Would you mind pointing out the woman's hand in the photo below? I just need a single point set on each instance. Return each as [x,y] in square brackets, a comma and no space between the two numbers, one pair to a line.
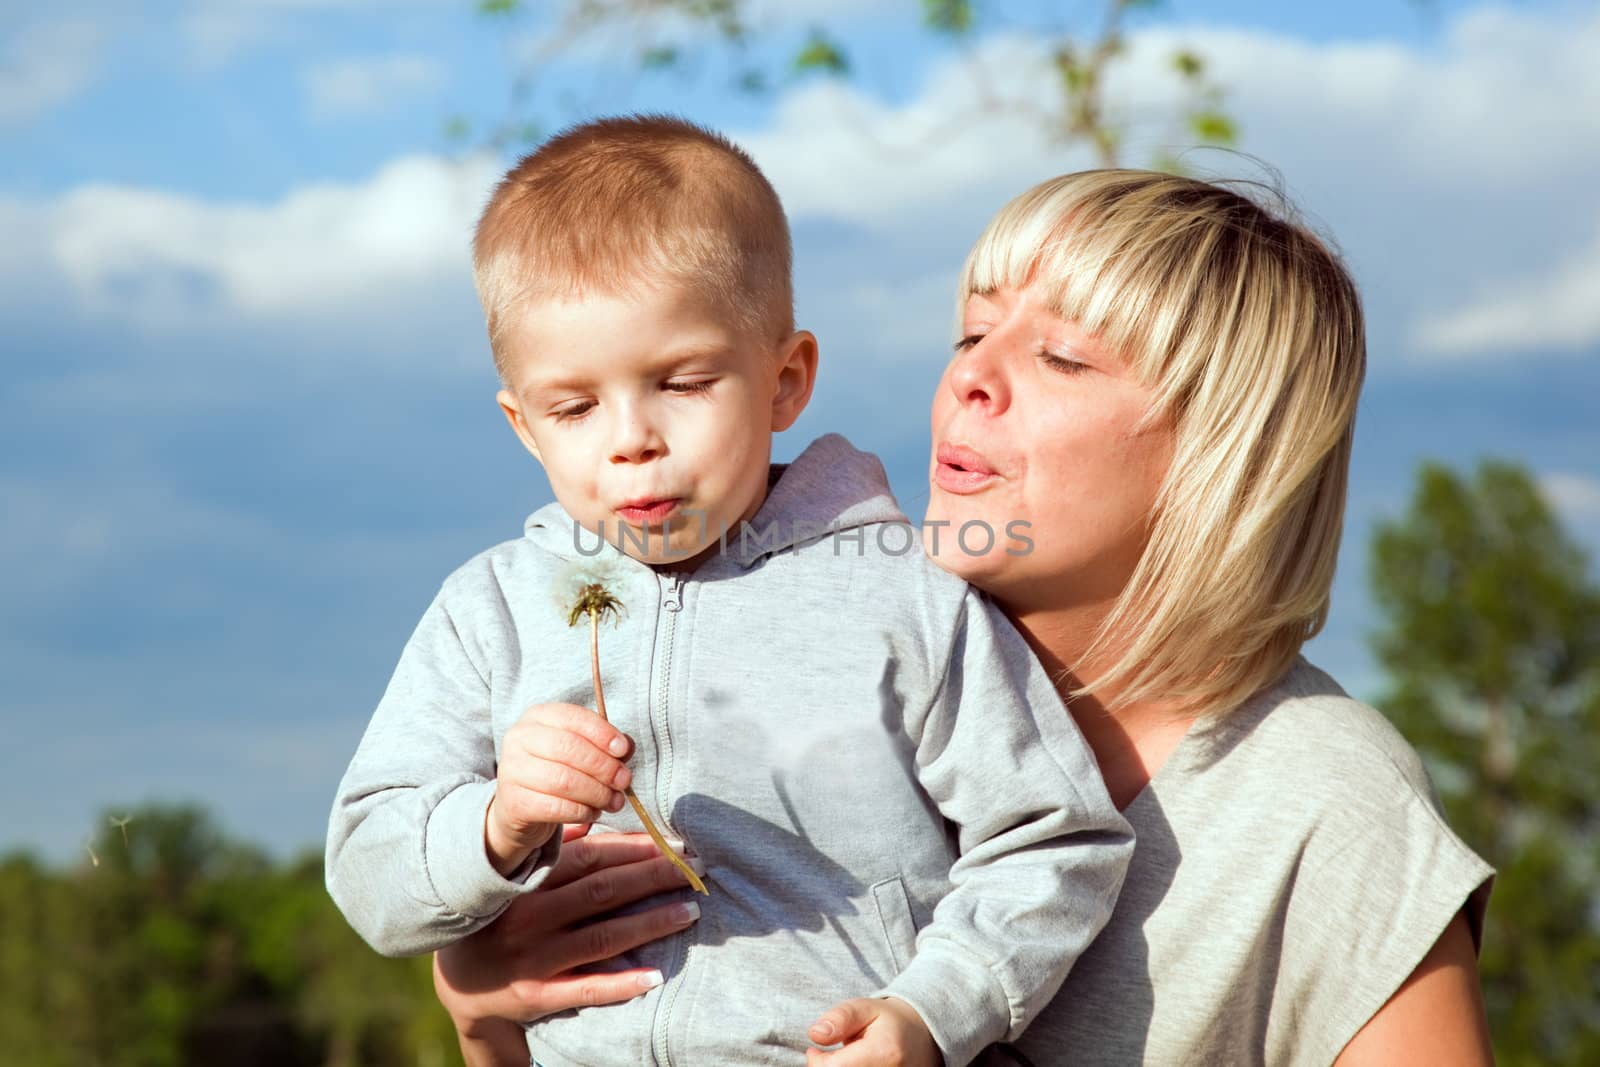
[520,967]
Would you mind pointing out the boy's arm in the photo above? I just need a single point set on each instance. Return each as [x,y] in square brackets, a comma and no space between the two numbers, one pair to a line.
[1043,850]
[406,861]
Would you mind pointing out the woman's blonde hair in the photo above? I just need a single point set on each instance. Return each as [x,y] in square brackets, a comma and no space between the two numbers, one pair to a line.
[1248,329]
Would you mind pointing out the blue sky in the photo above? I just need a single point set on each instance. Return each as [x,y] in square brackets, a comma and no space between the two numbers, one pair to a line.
[250,409]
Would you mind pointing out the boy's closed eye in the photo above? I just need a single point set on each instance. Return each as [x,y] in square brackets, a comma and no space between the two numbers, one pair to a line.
[576,411]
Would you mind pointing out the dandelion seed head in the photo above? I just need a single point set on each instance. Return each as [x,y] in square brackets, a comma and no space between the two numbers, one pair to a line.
[589,585]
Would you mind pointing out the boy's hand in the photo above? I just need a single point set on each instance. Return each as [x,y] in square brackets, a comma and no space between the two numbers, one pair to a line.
[559,764]
[875,1030]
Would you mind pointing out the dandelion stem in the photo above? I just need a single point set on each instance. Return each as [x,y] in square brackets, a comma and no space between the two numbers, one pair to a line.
[633,798]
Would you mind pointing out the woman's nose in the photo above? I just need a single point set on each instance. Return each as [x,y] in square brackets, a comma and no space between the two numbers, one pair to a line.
[977,379]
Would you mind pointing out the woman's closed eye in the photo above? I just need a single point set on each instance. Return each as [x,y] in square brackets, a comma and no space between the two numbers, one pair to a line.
[1060,363]
[966,342]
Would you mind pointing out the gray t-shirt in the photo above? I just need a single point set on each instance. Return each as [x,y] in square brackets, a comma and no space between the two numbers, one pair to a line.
[1291,869]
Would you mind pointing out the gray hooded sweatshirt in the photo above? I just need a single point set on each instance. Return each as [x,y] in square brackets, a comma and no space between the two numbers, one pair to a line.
[885,789]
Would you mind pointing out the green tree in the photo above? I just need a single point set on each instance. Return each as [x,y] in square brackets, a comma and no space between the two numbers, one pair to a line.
[170,944]
[1491,641]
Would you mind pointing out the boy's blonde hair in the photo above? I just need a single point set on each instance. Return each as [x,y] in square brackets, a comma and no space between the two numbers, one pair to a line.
[620,203]
[1249,331]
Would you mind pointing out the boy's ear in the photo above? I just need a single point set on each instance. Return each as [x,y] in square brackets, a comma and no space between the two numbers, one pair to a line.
[797,373]
[519,425]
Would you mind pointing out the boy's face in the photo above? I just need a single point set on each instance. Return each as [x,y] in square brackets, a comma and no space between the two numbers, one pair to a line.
[654,411]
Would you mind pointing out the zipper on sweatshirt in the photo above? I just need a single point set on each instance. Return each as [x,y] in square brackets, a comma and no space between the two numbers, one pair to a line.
[671,584]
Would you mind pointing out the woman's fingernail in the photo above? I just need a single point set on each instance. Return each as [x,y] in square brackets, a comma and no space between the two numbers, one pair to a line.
[651,979]
[687,912]
[823,1032]
[696,864]
[678,846]
[618,746]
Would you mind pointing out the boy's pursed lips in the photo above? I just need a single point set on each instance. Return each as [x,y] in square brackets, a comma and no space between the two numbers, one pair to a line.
[642,511]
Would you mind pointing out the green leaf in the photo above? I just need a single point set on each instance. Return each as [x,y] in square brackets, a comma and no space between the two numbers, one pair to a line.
[457,128]
[1188,64]
[947,16]
[821,53]
[499,7]
[658,57]
[1213,127]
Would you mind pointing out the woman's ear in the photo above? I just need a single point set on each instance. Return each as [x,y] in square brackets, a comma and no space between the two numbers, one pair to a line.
[519,425]
[797,373]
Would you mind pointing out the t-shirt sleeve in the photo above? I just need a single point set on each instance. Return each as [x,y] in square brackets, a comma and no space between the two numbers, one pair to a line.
[1363,916]
[405,860]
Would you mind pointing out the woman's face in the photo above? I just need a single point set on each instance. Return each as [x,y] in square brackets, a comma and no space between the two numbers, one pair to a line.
[1037,435]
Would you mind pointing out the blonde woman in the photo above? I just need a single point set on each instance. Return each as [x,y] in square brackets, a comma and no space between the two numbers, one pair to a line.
[1160,377]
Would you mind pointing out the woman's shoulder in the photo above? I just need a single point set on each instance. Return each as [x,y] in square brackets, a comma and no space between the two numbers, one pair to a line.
[1305,777]
[1306,731]
[1292,854]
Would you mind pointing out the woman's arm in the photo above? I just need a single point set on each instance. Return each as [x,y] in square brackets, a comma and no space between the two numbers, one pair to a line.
[1436,1016]
[521,967]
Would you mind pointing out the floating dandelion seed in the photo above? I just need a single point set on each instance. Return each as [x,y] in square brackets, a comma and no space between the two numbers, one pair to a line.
[122,824]
[583,592]
[92,857]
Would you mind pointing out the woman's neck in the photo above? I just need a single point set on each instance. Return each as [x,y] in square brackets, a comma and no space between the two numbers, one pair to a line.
[1130,743]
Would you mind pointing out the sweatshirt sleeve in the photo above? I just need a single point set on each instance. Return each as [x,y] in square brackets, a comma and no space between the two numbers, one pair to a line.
[406,862]
[1043,850]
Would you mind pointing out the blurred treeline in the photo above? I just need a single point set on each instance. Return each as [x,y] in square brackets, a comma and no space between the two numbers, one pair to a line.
[175,945]
[170,944]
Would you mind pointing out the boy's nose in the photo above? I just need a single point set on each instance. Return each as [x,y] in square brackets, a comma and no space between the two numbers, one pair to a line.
[636,441]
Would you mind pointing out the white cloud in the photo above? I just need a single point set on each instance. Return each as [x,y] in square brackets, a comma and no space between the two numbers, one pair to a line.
[367,85]
[217,31]
[1402,152]
[159,258]
[1558,309]
[47,64]
[1575,496]
[835,153]
[1441,170]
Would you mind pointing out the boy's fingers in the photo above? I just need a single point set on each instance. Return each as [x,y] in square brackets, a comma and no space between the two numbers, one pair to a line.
[557,745]
[582,721]
[559,785]
[524,807]
[843,1021]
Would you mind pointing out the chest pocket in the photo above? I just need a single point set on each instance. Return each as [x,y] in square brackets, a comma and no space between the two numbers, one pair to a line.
[894,916]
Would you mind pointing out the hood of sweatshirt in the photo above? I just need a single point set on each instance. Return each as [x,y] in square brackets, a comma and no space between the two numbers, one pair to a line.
[830,486]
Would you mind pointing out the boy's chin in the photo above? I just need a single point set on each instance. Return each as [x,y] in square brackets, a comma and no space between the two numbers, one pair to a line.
[672,555]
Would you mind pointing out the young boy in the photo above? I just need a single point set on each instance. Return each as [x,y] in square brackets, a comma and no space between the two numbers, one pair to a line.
[885,794]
